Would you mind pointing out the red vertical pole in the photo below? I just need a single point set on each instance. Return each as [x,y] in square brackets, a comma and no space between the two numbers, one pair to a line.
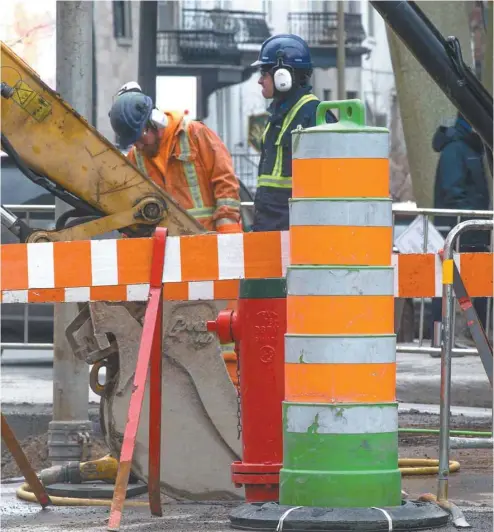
[155,382]
[151,323]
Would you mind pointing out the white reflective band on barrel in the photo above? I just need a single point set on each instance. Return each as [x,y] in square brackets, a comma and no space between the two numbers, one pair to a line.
[331,281]
[342,418]
[340,145]
[370,213]
[301,349]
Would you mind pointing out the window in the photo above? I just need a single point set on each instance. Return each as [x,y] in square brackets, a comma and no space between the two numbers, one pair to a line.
[370,21]
[351,95]
[122,22]
[326,95]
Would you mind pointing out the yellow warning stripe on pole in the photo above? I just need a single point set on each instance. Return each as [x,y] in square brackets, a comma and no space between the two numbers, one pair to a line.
[448,268]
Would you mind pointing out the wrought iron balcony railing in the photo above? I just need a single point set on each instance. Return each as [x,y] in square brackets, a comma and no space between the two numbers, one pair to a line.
[212,35]
[320,29]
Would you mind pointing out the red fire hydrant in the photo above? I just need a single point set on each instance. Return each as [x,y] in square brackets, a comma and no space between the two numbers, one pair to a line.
[258,330]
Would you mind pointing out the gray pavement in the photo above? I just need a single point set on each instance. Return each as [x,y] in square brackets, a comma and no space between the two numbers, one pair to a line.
[26,517]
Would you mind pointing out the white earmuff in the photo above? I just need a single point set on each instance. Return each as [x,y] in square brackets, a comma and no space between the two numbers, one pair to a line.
[283,80]
[158,119]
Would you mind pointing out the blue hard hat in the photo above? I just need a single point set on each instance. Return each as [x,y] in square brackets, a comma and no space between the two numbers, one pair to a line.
[292,49]
[129,115]
[462,123]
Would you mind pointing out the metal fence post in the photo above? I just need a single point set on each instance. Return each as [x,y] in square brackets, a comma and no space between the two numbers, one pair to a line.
[448,310]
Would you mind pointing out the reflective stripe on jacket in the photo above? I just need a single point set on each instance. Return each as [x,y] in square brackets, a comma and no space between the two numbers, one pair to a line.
[194,167]
[274,171]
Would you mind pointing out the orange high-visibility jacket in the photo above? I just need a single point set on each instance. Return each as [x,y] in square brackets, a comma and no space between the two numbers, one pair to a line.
[194,167]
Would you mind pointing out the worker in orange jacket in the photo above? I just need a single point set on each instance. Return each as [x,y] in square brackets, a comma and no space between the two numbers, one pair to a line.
[184,157]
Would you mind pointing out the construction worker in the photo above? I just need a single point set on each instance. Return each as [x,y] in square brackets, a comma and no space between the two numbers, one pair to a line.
[184,157]
[286,68]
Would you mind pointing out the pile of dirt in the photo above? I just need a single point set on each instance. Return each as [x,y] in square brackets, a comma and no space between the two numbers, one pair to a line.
[36,450]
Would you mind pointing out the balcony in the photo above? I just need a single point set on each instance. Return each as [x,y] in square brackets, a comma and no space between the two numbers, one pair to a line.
[320,30]
[215,45]
[214,36]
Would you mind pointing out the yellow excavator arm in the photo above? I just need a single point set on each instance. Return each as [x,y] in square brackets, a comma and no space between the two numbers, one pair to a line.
[55,145]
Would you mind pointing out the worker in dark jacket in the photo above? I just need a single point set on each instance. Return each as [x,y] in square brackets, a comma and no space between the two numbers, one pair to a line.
[461,183]
[286,68]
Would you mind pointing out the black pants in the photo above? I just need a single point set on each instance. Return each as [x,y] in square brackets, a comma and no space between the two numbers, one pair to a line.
[271,211]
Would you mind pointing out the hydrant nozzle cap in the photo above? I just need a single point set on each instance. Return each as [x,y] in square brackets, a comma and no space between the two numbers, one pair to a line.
[211,326]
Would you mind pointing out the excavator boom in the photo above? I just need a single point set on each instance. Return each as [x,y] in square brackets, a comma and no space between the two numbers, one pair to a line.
[60,150]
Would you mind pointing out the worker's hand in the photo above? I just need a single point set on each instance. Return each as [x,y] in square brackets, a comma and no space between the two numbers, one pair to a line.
[441,254]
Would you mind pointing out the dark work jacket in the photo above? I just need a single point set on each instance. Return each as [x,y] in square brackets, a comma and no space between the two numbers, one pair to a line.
[460,181]
[271,203]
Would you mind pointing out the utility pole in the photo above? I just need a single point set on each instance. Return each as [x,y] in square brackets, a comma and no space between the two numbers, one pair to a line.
[70,430]
[148,27]
[340,58]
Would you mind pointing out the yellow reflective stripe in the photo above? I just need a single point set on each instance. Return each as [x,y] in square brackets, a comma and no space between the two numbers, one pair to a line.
[278,165]
[266,129]
[140,162]
[225,221]
[291,115]
[202,212]
[228,202]
[189,168]
[276,182]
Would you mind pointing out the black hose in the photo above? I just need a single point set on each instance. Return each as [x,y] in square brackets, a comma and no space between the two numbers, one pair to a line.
[48,185]
[440,57]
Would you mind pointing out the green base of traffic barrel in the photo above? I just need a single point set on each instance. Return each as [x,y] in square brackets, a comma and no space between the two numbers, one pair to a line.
[341,455]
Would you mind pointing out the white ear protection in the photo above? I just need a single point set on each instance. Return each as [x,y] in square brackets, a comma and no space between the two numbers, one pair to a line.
[158,119]
[282,77]
[283,80]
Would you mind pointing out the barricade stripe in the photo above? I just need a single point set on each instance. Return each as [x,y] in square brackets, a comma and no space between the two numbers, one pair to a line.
[15,296]
[324,349]
[416,275]
[356,145]
[108,293]
[202,252]
[328,281]
[329,315]
[77,295]
[477,273]
[340,178]
[341,418]
[438,276]
[104,264]
[130,270]
[262,255]
[41,272]
[46,295]
[201,290]
[72,263]
[172,272]
[340,383]
[14,273]
[347,246]
[396,284]
[137,292]
[231,256]
[226,289]
[176,291]
[366,213]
